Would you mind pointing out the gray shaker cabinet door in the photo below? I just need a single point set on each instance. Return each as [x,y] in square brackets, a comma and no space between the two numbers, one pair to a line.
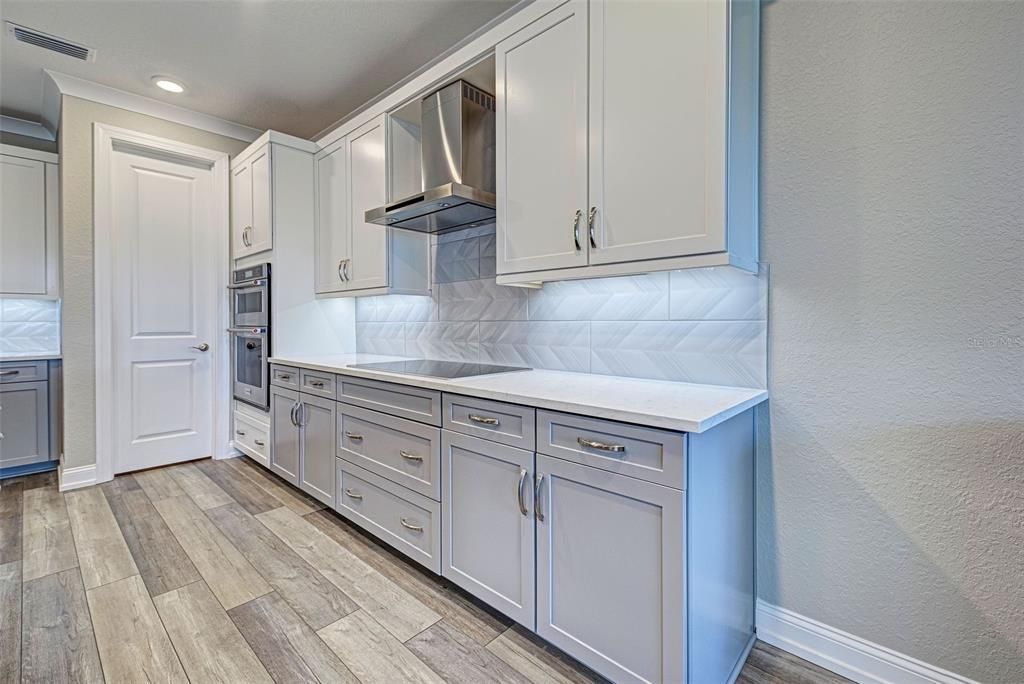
[318,466]
[488,522]
[610,571]
[24,424]
[284,457]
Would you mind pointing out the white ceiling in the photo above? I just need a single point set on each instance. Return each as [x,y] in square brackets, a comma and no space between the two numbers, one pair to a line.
[296,66]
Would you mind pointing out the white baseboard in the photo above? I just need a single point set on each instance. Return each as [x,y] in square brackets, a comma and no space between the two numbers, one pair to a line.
[843,653]
[76,478]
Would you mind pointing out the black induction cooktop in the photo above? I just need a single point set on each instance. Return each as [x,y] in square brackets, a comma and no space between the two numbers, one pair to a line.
[437,369]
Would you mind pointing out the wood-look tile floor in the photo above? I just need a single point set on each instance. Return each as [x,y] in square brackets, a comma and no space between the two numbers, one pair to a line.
[219,571]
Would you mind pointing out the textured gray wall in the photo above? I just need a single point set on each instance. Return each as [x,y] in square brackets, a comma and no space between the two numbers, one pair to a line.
[78,334]
[892,491]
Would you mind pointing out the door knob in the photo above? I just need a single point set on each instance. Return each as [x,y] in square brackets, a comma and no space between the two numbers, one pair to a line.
[201,347]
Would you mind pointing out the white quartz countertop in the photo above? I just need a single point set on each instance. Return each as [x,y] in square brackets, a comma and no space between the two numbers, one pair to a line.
[29,356]
[673,405]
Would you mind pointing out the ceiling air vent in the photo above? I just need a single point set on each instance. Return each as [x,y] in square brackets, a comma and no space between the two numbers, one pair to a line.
[24,34]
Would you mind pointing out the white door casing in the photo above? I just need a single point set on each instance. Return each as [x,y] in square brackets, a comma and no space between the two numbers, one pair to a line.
[161,269]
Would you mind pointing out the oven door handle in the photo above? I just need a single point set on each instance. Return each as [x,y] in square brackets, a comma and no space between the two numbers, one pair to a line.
[255,331]
[251,285]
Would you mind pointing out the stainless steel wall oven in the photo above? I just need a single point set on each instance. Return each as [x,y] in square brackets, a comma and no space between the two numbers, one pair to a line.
[250,335]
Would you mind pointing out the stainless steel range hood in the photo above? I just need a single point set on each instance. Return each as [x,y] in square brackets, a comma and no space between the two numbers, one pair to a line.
[457,134]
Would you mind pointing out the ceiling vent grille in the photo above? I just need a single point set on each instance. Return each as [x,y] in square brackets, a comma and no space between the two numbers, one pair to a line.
[24,34]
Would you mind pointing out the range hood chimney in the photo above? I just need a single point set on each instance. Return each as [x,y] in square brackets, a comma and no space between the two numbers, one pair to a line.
[457,159]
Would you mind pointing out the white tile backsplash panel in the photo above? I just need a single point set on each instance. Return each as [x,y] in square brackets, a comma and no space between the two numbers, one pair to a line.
[711,352]
[704,325]
[629,298]
[29,326]
[718,294]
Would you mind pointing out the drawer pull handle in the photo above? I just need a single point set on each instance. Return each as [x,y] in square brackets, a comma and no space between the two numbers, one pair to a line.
[353,436]
[9,372]
[537,509]
[259,442]
[317,383]
[239,433]
[600,446]
[519,493]
[410,457]
[408,525]
[353,495]
[484,420]
[282,376]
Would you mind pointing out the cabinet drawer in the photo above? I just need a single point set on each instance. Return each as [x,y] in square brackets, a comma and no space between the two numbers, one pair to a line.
[284,376]
[398,400]
[317,382]
[494,420]
[408,521]
[22,371]
[252,438]
[649,454]
[400,450]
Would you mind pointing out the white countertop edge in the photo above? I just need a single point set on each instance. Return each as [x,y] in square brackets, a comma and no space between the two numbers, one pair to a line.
[705,421]
[30,357]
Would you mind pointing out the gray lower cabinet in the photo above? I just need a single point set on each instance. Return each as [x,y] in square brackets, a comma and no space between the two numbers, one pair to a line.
[610,583]
[316,462]
[24,423]
[284,456]
[303,441]
[488,522]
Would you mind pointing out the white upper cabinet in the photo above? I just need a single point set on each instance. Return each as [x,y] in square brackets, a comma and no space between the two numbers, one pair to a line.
[541,143]
[356,258]
[252,223]
[642,116]
[29,245]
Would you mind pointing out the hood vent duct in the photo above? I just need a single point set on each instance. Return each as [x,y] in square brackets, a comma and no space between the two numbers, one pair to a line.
[24,34]
[458,164]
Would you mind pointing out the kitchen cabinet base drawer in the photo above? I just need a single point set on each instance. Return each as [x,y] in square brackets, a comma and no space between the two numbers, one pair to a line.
[497,421]
[23,371]
[408,521]
[403,451]
[650,454]
[317,382]
[284,376]
[404,401]
[252,438]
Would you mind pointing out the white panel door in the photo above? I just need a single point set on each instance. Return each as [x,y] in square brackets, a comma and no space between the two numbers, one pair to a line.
[332,217]
[165,298]
[610,571]
[241,209]
[657,128]
[23,258]
[542,143]
[366,177]
[486,497]
[262,236]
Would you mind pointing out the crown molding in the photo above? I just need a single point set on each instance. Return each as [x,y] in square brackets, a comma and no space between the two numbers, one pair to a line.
[63,84]
[29,129]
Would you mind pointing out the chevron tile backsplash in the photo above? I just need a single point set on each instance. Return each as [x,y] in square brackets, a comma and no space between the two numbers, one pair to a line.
[29,326]
[705,325]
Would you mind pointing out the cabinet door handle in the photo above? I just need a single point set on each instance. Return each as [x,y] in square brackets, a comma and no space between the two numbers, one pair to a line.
[484,420]
[259,442]
[590,226]
[537,509]
[353,495]
[239,433]
[246,240]
[600,446]
[345,270]
[354,436]
[519,492]
[292,414]
[410,457]
[8,373]
[301,413]
[341,276]
[408,525]
[576,229]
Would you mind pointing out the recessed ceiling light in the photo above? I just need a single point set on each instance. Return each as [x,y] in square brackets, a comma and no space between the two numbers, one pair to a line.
[168,84]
